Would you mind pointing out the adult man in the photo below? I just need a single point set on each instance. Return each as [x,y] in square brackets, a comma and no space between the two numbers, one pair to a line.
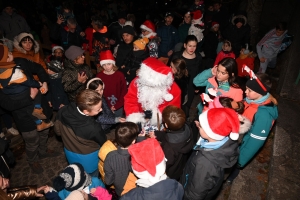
[169,38]
[68,35]
[114,30]
[11,24]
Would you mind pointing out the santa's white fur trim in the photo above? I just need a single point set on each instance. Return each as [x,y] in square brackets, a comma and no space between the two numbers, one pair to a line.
[168,97]
[150,77]
[204,124]
[102,62]
[146,28]
[136,117]
[245,124]
[147,180]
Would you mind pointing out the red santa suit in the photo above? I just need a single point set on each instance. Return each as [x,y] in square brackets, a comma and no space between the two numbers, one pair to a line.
[153,89]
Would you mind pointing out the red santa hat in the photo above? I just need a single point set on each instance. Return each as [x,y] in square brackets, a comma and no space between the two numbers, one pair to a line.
[55,46]
[148,160]
[148,26]
[213,24]
[197,14]
[219,123]
[106,57]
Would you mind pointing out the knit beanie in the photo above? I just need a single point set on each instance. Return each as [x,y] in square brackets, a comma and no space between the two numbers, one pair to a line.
[128,29]
[73,177]
[75,195]
[219,123]
[254,83]
[141,43]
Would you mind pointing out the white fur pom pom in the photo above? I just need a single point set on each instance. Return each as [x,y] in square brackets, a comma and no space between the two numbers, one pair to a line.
[168,97]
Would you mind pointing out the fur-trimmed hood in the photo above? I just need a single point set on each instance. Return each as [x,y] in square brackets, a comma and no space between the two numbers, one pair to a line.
[239,16]
[19,37]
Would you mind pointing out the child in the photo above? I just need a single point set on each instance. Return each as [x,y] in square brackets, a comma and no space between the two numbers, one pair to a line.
[56,95]
[220,80]
[246,58]
[149,165]
[115,83]
[57,53]
[225,52]
[73,177]
[198,5]
[117,163]
[16,83]
[176,141]
[106,118]
[216,150]
[133,62]
[268,47]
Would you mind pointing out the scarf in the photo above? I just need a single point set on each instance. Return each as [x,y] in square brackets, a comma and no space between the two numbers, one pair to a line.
[203,143]
[258,101]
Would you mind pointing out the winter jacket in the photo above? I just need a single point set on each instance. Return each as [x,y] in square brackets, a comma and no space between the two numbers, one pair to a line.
[22,116]
[60,32]
[183,30]
[56,93]
[124,51]
[269,45]
[82,136]
[114,32]
[106,117]
[262,122]
[224,54]
[169,38]
[70,78]
[12,25]
[176,146]
[34,55]
[100,43]
[107,147]
[117,166]
[203,174]
[237,36]
[132,63]
[168,189]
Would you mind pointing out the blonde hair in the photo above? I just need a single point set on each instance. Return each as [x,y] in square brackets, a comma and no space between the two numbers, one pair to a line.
[101,69]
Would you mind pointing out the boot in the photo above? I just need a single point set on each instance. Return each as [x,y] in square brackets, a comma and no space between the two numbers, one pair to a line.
[38,113]
[42,126]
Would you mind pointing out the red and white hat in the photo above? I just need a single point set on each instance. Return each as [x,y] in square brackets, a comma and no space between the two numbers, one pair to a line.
[55,46]
[197,14]
[219,123]
[148,26]
[106,57]
[148,160]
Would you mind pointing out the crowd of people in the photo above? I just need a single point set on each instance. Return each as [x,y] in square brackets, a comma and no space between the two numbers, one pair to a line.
[124,116]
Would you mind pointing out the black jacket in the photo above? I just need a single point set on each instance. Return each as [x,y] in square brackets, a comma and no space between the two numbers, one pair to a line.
[124,50]
[168,189]
[210,44]
[204,172]
[177,146]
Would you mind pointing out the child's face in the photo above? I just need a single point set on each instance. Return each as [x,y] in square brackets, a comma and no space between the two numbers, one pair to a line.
[239,24]
[279,32]
[10,57]
[201,131]
[135,48]
[58,53]
[100,90]
[190,47]
[222,74]
[250,94]
[108,67]
[226,47]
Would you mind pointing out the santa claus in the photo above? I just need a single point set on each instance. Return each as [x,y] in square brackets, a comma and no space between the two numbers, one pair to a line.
[150,92]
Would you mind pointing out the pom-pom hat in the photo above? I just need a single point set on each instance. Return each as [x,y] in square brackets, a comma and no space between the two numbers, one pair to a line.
[219,123]
[106,57]
[148,26]
[73,177]
[141,43]
[54,47]
[147,159]
[197,14]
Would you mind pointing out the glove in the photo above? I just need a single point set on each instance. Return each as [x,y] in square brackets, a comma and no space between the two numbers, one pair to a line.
[148,114]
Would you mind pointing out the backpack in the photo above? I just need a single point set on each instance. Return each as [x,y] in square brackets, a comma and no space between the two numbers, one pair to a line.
[286,42]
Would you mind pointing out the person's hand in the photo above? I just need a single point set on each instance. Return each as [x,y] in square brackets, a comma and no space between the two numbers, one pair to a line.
[41,189]
[50,104]
[170,53]
[123,66]
[152,134]
[93,190]
[196,91]
[128,72]
[46,189]
[85,195]
[44,88]
[33,92]
[197,124]
[50,71]
[82,34]
[262,59]
[214,70]
[82,77]
[113,109]
[61,105]
[60,19]
[112,42]
[122,120]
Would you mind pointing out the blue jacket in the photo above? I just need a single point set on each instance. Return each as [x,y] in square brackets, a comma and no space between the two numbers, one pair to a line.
[169,38]
[168,189]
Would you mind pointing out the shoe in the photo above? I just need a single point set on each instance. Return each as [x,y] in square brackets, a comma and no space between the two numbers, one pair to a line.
[2,135]
[49,153]
[13,131]
[38,113]
[36,168]
[42,126]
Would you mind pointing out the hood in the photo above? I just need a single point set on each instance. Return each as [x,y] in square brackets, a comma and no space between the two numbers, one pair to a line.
[20,49]
[271,108]
[239,16]
[72,118]
[182,140]
[226,156]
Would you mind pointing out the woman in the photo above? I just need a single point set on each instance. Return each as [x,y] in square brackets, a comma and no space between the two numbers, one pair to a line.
[82,136]
[75,72]
[194,66]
